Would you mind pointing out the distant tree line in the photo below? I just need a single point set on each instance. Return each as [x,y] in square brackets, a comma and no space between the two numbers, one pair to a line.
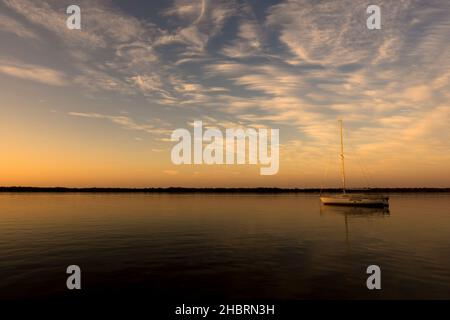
[216,190]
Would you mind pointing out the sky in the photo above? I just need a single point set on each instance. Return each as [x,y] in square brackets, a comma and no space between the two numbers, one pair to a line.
[97,106]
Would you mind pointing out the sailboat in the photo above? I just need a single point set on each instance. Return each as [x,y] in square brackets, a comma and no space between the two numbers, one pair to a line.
[352,199]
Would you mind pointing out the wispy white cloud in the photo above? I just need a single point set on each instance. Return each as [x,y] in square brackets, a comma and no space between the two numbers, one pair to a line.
[249,39]
[101,26]
[154,126]
[202,20]
[31,72]
[8,24]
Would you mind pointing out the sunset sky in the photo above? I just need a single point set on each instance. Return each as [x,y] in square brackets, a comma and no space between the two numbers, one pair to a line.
[96,106]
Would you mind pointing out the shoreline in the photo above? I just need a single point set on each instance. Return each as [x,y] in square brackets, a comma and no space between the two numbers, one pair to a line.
[219,190]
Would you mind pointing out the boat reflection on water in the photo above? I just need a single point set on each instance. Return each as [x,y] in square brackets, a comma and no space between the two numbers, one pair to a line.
[354,212]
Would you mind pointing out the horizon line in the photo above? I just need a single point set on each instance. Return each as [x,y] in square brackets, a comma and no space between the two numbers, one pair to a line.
[215,189]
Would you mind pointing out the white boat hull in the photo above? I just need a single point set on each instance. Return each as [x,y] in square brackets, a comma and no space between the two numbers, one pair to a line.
[355,200]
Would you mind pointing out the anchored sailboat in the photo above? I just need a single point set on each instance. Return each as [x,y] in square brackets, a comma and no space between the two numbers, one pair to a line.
[352,199]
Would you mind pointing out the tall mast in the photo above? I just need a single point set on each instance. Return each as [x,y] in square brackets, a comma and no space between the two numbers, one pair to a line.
[342,156]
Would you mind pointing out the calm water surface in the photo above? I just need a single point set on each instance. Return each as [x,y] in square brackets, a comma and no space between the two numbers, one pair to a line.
[198,246]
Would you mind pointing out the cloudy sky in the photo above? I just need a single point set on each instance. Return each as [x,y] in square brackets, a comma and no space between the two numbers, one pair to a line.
[96,106]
